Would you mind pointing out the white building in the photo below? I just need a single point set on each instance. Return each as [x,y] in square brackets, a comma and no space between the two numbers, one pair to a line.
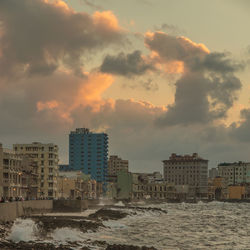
[189,170]
[235,173]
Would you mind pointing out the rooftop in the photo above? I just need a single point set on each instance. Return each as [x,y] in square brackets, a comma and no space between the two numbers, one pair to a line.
[193,157]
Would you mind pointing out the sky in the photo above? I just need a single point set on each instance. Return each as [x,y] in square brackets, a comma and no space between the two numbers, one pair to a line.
[159,76]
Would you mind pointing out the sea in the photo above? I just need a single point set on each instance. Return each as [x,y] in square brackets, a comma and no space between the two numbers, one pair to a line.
[213,225]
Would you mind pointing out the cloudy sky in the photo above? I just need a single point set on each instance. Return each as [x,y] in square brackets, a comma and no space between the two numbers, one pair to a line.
[159,76]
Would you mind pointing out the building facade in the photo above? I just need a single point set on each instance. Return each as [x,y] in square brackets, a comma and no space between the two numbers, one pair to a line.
[46,158]
[213,172]
[88,152]
[235,173]
[19,175]
[75,185]
[189,170]
[116,165]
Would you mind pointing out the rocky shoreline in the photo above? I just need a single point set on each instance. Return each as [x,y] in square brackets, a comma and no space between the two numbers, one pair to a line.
[46,224]
[8,245]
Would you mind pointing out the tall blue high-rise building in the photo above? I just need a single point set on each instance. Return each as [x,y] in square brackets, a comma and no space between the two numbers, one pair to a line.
[88,152]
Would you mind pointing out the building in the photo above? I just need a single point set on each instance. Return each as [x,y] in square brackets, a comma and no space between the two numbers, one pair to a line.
[136,186]
[155,177]
[189,170]
[213,172]
[115,165]
[235,173]
[88,152]
[217,188]
[19,176]
[75,184]
[46,158]
[64,167]
[237,192]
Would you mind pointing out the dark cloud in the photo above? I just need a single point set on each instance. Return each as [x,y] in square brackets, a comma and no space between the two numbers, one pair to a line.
[191,103]
[241,131]
[126,64]
[207,88]
[37,36]
[172,48]
[218,62]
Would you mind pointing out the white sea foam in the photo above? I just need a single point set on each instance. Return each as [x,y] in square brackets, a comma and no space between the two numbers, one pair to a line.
[23,230]
[62,235]
[119,204]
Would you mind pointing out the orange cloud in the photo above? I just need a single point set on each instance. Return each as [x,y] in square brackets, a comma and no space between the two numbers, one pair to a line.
[91,91]
[46,105]
[171,54]
[106,19]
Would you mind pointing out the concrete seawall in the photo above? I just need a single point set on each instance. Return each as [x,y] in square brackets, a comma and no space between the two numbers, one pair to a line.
[12,210]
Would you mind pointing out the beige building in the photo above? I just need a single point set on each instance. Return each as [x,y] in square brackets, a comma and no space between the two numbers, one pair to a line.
[19,176]
[235,173]
[189,170]
[116,165]
[46,157]
[75,184]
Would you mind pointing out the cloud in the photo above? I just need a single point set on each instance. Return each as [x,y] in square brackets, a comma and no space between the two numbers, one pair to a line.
[170,29]
[241,131]
[172,48]
[150,85]
[207,87]
[126,64]
[218,62]
[37,37]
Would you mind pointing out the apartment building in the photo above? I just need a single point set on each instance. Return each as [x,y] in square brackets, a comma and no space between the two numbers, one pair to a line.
[235,173]
[189,170]
[46,158]
[88,152]
[19,175]
[115,165]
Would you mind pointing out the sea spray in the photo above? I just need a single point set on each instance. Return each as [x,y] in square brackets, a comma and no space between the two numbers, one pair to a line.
[23,230]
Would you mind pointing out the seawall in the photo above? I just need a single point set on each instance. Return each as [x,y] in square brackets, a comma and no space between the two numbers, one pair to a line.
[12,210]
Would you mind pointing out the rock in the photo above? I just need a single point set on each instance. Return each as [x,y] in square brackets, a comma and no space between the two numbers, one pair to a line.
[108,214]
[49,223]
[31,246]
[128,247]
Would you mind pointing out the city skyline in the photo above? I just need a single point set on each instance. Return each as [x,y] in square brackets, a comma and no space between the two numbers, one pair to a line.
[159,77]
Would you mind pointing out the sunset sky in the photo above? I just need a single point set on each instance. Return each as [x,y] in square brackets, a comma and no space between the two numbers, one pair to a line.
[159,76]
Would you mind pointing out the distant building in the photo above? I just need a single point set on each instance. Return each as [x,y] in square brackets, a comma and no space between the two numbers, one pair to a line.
[19,176]
[75,184]
[235,173]
[155,177]
[46,157]
[136,186]
[189,170]
[64,167]
[213,172]
[88,152]
[115,165]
